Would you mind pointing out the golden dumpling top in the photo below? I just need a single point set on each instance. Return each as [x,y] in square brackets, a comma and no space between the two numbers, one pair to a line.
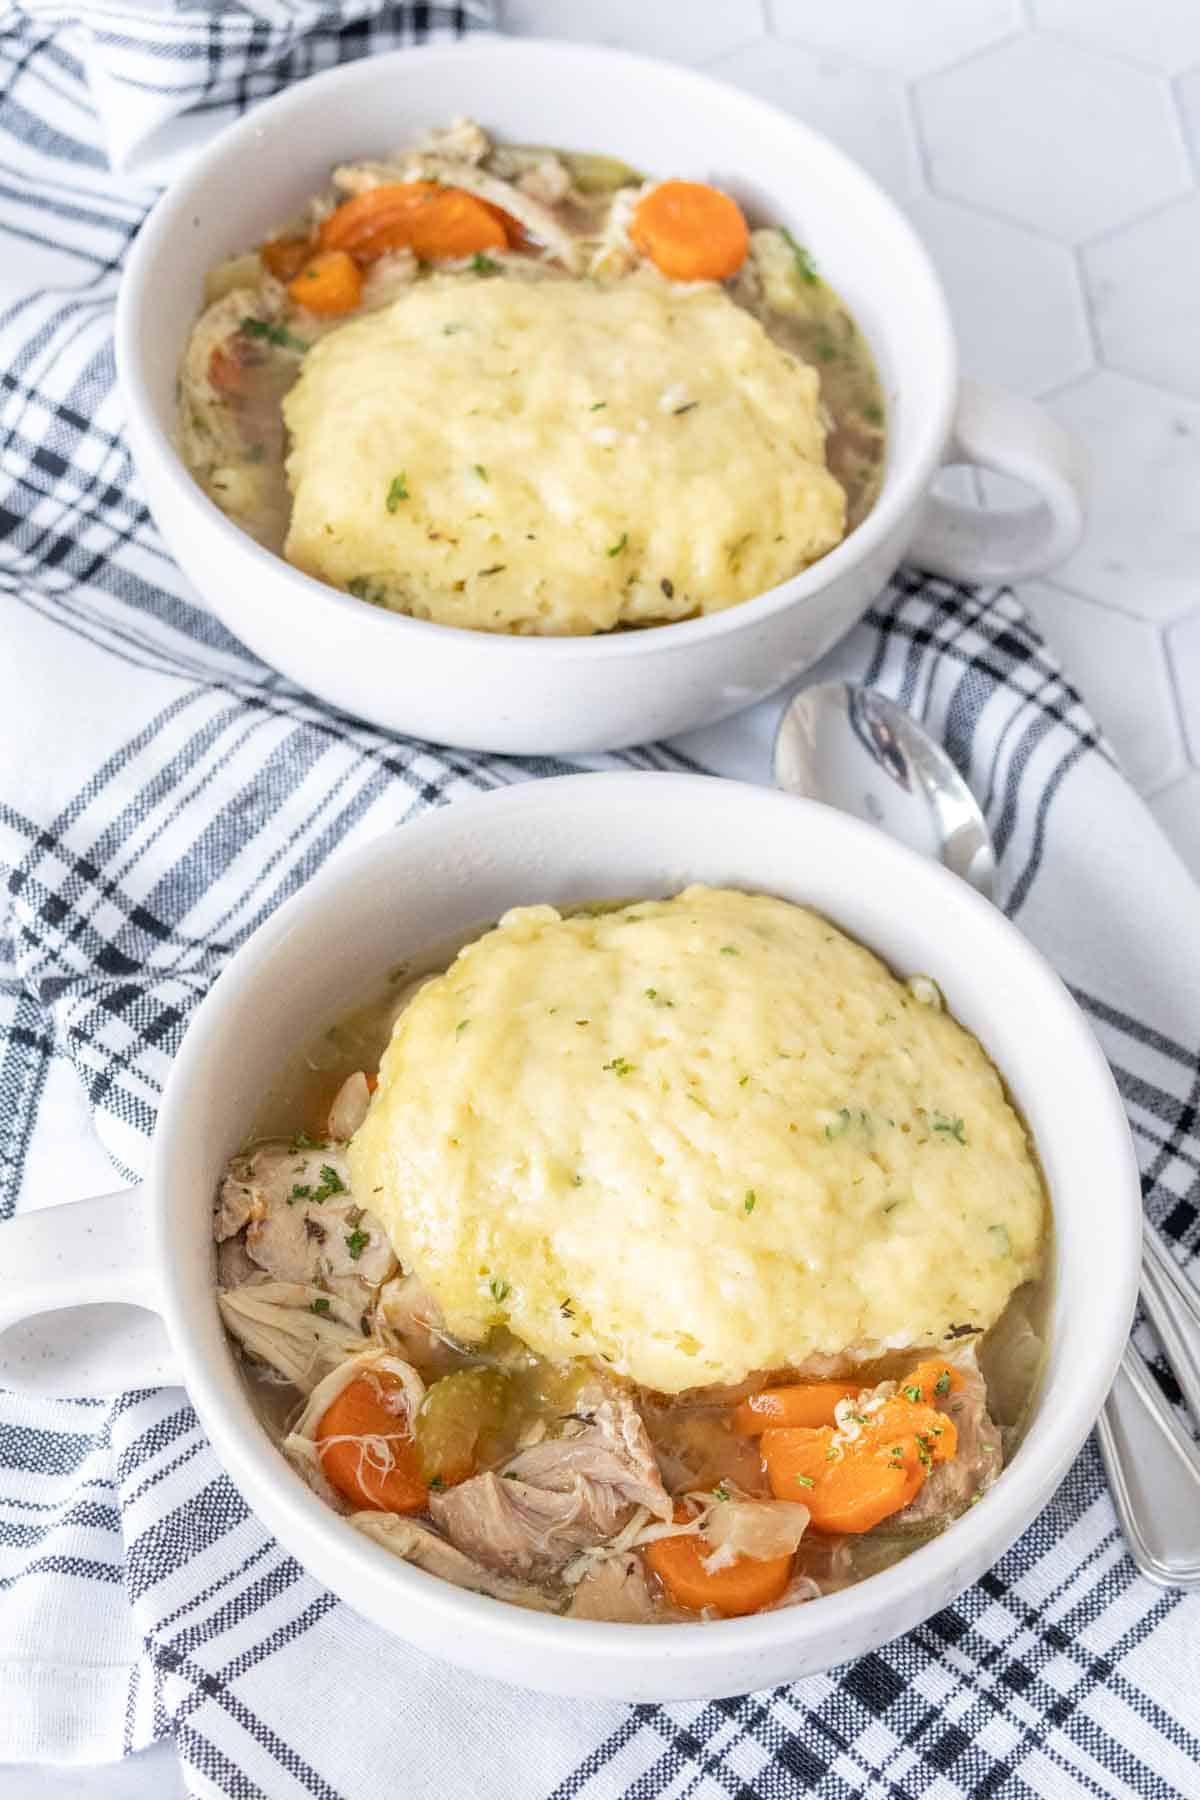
[552,456]
[696,1137]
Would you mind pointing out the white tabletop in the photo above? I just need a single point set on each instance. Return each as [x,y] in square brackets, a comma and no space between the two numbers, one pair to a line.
[1049,153]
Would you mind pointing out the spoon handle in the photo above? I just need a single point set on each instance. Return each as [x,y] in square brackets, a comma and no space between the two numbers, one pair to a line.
[1153,1475]
[1172,1306]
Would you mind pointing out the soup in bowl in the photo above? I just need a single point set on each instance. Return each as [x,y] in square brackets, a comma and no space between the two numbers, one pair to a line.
[611,628]
[552,1406]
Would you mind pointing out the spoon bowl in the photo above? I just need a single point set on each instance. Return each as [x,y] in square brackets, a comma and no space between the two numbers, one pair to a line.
[857,750]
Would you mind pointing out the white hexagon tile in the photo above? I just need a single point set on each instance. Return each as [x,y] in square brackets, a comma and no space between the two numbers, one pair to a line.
[1048,151]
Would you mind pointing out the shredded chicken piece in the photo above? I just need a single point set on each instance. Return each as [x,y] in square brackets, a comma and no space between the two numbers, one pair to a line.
[462,140]
[518,1529]
[612,1449]
[615,1589]
[410,1310]
[300,1222]
[424,1548]
[295,1329]
[387,278]
[548,182]
[559,1496]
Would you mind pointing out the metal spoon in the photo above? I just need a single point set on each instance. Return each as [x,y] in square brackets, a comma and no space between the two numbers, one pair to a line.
[857,750]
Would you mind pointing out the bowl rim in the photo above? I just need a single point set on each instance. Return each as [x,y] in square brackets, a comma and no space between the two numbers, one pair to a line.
[974,1542]
[901,495]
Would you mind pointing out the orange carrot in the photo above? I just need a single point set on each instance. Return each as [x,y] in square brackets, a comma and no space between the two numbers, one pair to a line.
[357,222]
[934,1379]
[851,1484]
[746,1586]
[285,257]
[422,216]
[388,1482]
[330,284]
[372,1083]
[844,1493]
[691,232]
[808,1403]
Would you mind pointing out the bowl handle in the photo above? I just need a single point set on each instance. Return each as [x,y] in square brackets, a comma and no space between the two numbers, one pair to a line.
[81,1300]
[1010,436]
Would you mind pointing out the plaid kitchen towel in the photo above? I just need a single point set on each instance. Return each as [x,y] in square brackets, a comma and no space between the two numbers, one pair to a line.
[147,762]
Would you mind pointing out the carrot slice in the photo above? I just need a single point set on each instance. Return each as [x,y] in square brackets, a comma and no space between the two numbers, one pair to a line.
[844,1493]
[691,232]
[808,1403]
[422,216]
[456,224]
[384,1476]
[746,1586]
[285,257]
[330,284]
[356,222]
[934,1379]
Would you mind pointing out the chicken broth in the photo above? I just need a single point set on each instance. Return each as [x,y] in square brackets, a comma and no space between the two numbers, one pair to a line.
[568,217]
[559,1485]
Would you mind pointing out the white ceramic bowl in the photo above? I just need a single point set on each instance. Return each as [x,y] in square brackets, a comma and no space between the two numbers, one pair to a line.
[557,695]
[568,839]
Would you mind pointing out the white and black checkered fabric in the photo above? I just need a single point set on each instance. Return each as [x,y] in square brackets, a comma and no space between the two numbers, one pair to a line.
[160,793]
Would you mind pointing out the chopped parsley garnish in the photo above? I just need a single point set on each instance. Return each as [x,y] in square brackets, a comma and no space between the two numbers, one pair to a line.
[942,1384]
[598,406]
[357,1242]
[484,265]
[805,1481]
[577,1181]
[720,1492]
[923,1453]
[831,1455]
[499,1290]
[619,1066]
[616,549]
[274,334]
[302,1141]
[436,1485]
[461,1027]
[397,492]
[331,1183]
[300,1191]
[480,471]
[805,267]
[951,1128]
[320,1305]
[730,950]
[743,1080]
[914,1394]
[750,1202]
[873,413]
[658,999]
